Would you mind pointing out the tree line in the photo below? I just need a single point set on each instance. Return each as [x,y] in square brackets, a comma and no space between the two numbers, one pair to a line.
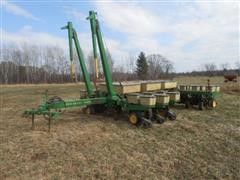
[50,64]
[153,66]
[211,69]
[33,64]
[36,64]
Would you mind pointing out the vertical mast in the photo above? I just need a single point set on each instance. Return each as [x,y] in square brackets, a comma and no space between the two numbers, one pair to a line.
[94,43]
[73,35]
[96,30]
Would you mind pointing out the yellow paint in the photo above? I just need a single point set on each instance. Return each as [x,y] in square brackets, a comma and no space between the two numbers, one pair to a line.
[133,119]
[214,104]
[72,70]
[96,68]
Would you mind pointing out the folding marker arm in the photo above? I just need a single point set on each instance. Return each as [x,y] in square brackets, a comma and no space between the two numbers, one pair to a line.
[94,44]
[97,36]
[72,35]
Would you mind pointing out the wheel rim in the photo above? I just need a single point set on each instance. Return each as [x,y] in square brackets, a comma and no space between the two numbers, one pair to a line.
[133,119]
[214,104]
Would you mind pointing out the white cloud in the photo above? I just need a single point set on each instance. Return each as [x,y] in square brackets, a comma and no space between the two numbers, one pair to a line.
[17,10]
[214,27]
[27,36]
[112,45]
[128,18]
[75,13]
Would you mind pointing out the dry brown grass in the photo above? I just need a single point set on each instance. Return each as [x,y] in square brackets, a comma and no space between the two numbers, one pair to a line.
[198,145]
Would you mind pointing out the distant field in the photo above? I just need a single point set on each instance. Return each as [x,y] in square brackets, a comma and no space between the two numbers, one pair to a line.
[198,145]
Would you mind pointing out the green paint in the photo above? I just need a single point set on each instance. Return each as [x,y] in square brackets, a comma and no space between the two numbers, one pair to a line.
[73,35]
[111,99]
[95,27]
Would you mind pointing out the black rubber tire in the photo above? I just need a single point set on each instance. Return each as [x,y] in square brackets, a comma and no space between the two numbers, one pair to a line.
[149,114]
[145,123]
[159,119]
[88,110]
[172,116]
[187,104]
[99,108]
[201,105]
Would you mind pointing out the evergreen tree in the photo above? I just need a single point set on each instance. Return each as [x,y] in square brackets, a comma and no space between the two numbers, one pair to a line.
[142,66]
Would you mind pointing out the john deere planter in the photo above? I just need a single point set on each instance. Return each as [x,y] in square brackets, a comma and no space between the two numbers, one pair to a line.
[142,111]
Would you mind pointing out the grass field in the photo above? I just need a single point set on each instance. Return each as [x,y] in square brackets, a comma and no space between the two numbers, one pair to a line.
[198,145]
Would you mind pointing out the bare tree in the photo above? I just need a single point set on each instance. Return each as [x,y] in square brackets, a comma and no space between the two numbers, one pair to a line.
[131,64]
[62,64]
[110,61]
[210,68]
[224,66]
[159,65]
[28,63]
[6,57]
[237,64]
[91,65]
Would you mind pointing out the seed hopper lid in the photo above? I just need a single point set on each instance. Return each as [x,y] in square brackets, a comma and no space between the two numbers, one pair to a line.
[155,81]
[133,94]
[147,93]
[172,92]
[161,95]
[124,83]
[146,96]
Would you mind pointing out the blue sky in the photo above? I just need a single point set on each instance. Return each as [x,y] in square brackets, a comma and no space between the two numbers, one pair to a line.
[189,33]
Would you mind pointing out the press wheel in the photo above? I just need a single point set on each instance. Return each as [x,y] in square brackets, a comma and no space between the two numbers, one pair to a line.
[201,105]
